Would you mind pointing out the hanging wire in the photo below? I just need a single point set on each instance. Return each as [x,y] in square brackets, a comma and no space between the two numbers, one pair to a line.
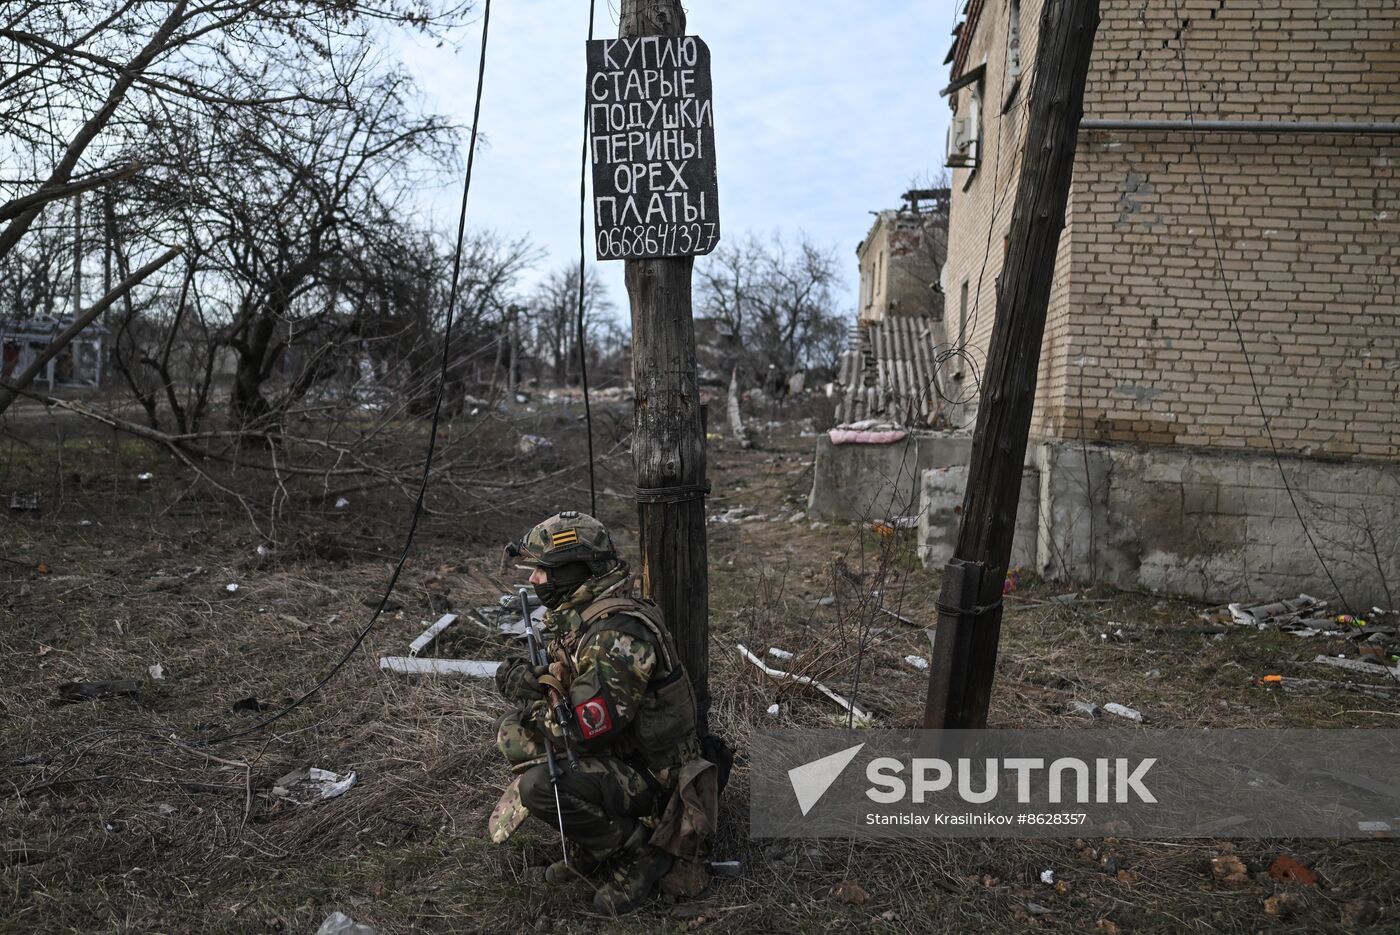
[582,259]
[1235,315]
[432,434]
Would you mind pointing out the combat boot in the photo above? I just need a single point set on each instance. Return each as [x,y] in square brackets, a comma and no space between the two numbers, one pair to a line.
[639,866]
[581,864]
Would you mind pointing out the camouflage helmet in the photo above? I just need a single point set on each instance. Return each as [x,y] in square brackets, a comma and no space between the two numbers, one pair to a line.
[566,537]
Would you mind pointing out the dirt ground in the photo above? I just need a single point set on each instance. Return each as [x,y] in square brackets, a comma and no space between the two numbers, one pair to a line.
[112,821]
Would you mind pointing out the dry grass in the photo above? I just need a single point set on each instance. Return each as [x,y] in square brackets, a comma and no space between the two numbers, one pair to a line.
[110,825]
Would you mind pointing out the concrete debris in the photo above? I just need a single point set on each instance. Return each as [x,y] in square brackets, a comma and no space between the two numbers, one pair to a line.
[338,923]
[860,717]
[430,635]
[466,668]
[310,784]
[1275,612]
[1124,711]
[1368,665]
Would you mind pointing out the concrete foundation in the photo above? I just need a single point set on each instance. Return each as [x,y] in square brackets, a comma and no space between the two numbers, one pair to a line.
[1216,526]
[941,501]
[858,482]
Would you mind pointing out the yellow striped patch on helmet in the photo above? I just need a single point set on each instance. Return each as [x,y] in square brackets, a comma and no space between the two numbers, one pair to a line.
[567,537]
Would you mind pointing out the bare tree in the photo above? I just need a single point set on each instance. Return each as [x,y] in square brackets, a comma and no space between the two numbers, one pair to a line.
[775,306]
[553,311]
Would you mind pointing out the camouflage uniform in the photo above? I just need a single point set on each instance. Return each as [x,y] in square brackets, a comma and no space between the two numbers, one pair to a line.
[632,721]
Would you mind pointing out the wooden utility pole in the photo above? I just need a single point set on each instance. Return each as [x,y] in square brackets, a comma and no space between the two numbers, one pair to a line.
[668,442]
[969,619]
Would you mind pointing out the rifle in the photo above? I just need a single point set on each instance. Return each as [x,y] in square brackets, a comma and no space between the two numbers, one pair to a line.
[561,712]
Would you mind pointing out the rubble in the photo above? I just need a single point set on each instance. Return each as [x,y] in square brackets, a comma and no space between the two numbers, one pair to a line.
[467,668]
[430,635]
[1124,711]
[861,717]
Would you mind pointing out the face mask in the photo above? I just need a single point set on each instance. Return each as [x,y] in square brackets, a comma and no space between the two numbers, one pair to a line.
[560,583]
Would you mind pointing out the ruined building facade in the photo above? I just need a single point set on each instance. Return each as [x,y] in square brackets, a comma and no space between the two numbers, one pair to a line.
[1207,280]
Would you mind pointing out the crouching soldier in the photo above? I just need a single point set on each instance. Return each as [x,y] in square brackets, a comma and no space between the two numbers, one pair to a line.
[632,794]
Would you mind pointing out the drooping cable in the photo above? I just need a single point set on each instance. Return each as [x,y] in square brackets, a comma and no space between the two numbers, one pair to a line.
[1230,304]
[432,433]
[582,347]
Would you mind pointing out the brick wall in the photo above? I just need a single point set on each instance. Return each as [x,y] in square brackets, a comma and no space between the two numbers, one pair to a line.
[1308,227]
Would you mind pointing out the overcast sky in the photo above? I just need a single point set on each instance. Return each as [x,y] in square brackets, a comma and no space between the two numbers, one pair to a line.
[823,113]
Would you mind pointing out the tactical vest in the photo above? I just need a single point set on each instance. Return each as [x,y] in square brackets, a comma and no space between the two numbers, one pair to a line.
[662,734]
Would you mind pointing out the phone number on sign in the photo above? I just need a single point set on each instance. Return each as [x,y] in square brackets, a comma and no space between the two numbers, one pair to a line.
[657,240]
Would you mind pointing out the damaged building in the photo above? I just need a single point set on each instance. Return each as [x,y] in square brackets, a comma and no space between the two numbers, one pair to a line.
[1217,409]
[893,370]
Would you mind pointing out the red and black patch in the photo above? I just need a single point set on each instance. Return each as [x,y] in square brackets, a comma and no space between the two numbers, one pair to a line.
[593,717]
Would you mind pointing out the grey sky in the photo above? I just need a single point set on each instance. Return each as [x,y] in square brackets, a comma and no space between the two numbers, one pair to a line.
[823,113]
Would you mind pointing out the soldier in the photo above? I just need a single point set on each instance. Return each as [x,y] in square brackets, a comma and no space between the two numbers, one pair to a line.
[631,724]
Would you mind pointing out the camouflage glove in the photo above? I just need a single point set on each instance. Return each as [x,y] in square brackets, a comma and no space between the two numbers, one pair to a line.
[520,681]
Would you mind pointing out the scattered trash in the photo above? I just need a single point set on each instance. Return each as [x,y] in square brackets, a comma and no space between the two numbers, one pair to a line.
[859,716]
[777,653]
[251,703]
[42,568]
[852,894]
[918,662]
[157,672]
[1288,869]
[773,709]
[263,551]
[1274,612]
[1013,580]
[338,923]
[411,665]
[726,868]
[1085,709]
[44,650]
[24,501]
[1047,877]
[521,398]
[145,477]
[529,444]
[430,635]
[1271,680]
[231,588]
[1036,909]
[827,601]
[797,517]
[84,522]
[1229,870]
[310,784]
[165,809]
[85,691]
[341,502]
[1131,714]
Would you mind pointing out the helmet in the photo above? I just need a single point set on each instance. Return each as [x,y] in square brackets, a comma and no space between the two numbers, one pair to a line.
[563,538]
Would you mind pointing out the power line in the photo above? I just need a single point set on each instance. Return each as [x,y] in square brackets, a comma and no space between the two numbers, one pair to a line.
[433,431]
[582,348]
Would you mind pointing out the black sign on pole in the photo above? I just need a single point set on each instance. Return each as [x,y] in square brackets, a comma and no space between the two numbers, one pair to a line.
[651,136]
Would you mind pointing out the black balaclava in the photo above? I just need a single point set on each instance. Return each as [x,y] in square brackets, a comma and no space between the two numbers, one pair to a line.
[561,582]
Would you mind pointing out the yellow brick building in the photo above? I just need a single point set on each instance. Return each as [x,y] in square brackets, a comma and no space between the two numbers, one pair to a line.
[1288,182]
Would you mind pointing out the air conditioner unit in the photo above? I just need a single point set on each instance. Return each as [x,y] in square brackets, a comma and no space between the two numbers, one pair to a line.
[962,143]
